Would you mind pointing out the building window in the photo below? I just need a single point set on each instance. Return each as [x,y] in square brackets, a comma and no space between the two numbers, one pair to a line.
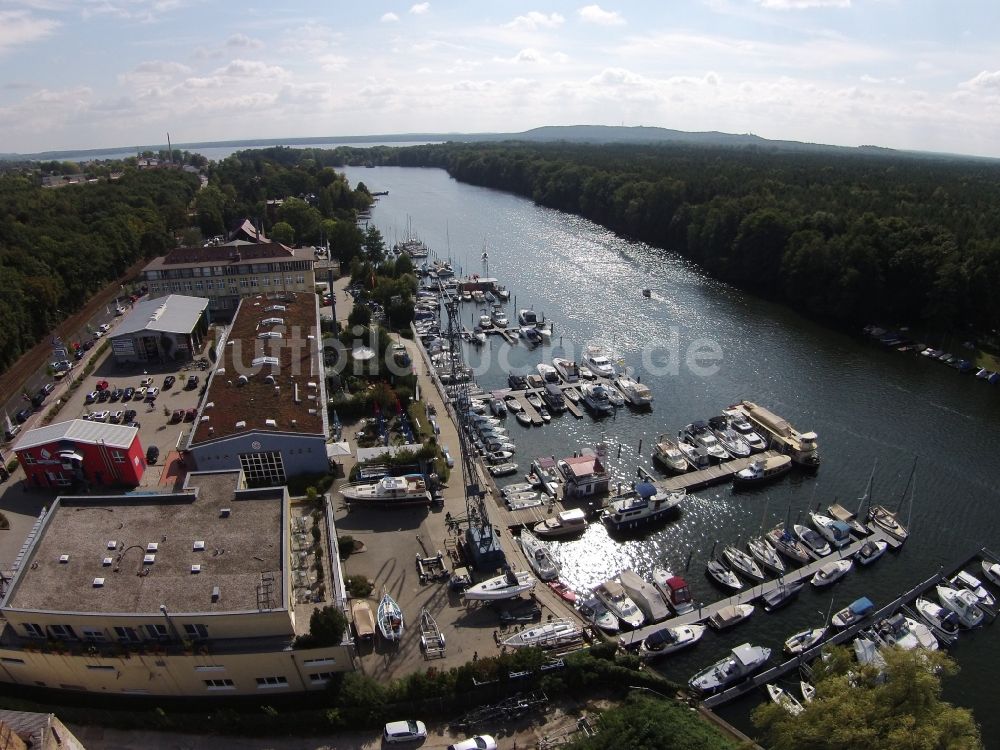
[126,635]
[277,281]
[157,631]
[11,660]
[63,631]
[209,668]
[320,678]
[253,281]
[119,457]
[265,469]
[223,684]
[91,634]
[27,458]
[195,631]
[289,280]
[266,281]
[271,682]
[244,282]
[187,286]
[199,285]
[101,667]
[33,630]
[319,662]
[300,280]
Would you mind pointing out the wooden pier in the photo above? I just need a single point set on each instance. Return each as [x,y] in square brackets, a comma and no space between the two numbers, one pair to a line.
[570,406]
[717,474]
[536,419]
[846,634]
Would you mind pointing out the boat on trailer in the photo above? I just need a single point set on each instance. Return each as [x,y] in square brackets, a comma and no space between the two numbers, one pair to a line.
[390,618]
[505,586]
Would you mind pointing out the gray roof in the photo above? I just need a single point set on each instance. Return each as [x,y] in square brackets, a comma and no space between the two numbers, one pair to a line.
[80,431]
[175,313]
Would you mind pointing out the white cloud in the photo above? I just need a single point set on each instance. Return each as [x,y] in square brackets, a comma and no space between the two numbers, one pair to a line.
[250,69]
[18,27]
[596,14]
[154,72]
[803,4]
[420,9]
[533,20]
[876,80]
[983,81]
[533,56]
[332,63]
[242,40]
[389,18]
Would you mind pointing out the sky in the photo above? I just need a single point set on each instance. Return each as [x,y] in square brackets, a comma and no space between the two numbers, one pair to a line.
[910,74]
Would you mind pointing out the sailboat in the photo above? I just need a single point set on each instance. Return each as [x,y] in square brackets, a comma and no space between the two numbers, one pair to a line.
[390,618]
[840,513]
[887,520]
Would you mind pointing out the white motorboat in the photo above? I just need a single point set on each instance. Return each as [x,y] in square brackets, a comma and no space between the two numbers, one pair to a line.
[523,418]
[586,373]
[808,691]
[739,422]
[539,557]
[478,296]
[534,400]
[548,373]
[572,394]
[502,470]
[644,594]
[527,318]
[674,589]
[730,615]
[906,633]
[499,457]
[501,292]
[595,359]
[937,616]
[635,392]
[478,336]
[854,612]
[695,455]
[485,321]
[837,533]
[700,435]
[409,489]
[567,369]
[619,603]
[564,523]
[743,563]
[513,489]
[644,505]
[669,455]
[871,551]
[544,414]
[992,571]
[729,438]
[505,586]
[831,572]
[390,618]
[530,334]
[593,611]
[786,543]
[667,641]
[521,500]
[963,603]
[765,553]
[760,471]
[804,640]
[965,580]
[812,540]
[719,572]
[615,397]
[552,634]
[510,400]
[498,407]
[499,317]
[741,663]
[595,398]
[866,651]
[785,699]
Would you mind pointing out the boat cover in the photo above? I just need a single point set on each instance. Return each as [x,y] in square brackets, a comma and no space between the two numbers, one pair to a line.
[861,606]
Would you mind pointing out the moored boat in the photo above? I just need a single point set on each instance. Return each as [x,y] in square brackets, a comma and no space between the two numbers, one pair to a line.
[595,398]
[992,571]
[364,620]
[831,572]
[786,543]
[505,586]
[765,553]
[700,435]
[409,489]
[539,557]
[963,603]
[619,604]
[637,394]
[937,616]
[500,470]
[807,690]
[674,589]
[812,540]
[839,513]
[721,574]
[906,633]
[644,594]
[390,618]
[804,640]
[669,455]
[739,422]
[730,439]
[729,616]
[548,373]
[965,580]
[854,612]
[563,591]
[743,563]
[781,595]
[593,611]
[886,520]
[667,641]
[837,533]
[742,662]
[598,363]
[871,551]
[763,470]
[567,369]
[644,505]
[564,523]
[550,635]
[785,699]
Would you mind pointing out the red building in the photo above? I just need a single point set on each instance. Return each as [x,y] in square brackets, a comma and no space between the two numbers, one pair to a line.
[81,454]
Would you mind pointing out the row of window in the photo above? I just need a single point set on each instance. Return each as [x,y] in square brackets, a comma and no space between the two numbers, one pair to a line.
[265,683]
[155,631]
[245,283]
[242,269]
[117,456]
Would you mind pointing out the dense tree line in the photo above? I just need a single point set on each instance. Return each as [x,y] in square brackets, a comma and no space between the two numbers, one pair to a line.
[60,246]
[852,238]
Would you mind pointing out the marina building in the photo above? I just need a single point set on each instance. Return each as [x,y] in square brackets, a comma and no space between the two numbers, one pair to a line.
[187,593]
[584,475]
[82,454]
[166,329]
[224,274]
[264,410]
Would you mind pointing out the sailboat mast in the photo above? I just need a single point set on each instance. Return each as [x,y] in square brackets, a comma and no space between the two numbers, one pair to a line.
[906,489]
[868,488]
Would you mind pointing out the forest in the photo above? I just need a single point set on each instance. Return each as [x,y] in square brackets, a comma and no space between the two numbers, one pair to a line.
[60,246]
[851,238]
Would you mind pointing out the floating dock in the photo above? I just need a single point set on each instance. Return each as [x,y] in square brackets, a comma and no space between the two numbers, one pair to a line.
[717,474]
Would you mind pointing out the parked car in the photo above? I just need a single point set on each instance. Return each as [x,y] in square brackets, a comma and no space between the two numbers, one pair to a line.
[140,394]
[479,742]
[129,416]
[119,311]
[116,417]
[46,389]
[11,432]
[152,392]
[102,385]
[192,382]
[449,461]
[87,345]
[190,414]
[152,454]
[99,416]
[22,416]
[404,731]
[116,394]
[146,382]
[132,424]
[128,393]
[103,396]
[104,327]
[176,416]
[90,397]
[168,382]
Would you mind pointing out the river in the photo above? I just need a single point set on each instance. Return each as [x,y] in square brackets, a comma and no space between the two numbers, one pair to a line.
[865,403]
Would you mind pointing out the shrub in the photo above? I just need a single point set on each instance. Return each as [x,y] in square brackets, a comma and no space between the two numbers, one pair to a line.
[345,546]
[358,587]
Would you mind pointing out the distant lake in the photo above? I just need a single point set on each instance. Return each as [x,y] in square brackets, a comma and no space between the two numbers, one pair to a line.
[217,153]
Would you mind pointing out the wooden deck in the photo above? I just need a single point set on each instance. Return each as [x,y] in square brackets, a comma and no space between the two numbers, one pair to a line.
[717,474]
[842,636]
[536,419]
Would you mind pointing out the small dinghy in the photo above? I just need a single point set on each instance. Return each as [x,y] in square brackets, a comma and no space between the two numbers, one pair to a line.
[808,691]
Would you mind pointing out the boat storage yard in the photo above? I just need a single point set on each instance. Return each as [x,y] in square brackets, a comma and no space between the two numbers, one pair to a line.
[483,518]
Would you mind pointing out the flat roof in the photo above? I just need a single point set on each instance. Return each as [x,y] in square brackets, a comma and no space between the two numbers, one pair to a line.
[237,549]
[266,384]
[229,255]
[175,313]
[80,431]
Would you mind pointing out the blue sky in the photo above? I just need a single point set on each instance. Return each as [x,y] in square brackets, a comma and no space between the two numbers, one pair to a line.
[101,73]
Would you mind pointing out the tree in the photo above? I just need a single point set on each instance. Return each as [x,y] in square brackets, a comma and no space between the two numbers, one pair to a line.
[857,708]
[282,232]
[327,626]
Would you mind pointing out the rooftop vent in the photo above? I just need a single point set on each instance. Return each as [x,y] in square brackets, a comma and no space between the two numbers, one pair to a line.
[195,568]
[204,418]
[224,512]
[241,424]
[112,544]
[98,582]
[106,562]
[270,335]
[242,379]
[273,322]
[152,547]
[149,559]
[210,405]
[313,412]
[216,593]
[258,361]
[270,423]
[221,370]
[269,379]
[198,546]
[311,384]
[64,558]
[277,390]
[294,422]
